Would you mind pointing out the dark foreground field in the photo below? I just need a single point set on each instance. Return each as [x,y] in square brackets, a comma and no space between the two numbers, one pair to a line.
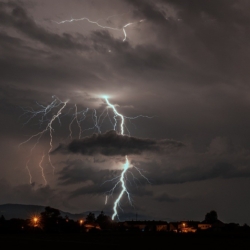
[123,240]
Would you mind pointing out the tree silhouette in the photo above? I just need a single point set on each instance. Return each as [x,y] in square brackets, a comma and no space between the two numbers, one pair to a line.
[50,212]
[50,219]
[211,217]
[104,220]
[90,218]
[2,219]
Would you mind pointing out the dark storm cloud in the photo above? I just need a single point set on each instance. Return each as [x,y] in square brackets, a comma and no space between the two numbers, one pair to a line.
[111,143]
[94,182]
[215,9]
[78,172]
[137,59]
[99,189]
[29,194]
[166,198]
[211,37]
[12,15]
[98,182]
[177,168]
[187,64]
[192,10]
[148,10]
[218,162]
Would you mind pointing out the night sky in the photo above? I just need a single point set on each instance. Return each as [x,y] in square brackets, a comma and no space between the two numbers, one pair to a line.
[183,68]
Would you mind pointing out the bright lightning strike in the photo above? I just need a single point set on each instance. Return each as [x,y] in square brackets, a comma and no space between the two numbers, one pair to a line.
[101,26]
[96,119]
[116,114]
[124,188]
[126,166]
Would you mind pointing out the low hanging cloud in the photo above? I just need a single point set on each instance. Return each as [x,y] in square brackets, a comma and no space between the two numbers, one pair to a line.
[113,144]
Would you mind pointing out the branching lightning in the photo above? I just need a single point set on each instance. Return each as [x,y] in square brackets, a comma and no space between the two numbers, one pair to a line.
[117,121]
[101,26]
[123,176]
[45,110]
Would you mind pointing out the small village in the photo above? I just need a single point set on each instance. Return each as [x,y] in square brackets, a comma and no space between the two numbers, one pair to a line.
[51,221]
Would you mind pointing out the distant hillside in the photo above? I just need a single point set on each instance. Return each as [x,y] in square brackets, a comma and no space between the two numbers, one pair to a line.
[20,211]
[10,211]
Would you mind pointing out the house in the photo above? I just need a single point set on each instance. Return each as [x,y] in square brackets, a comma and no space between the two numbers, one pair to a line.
[183,226]
[204,226]
[216,225]
[155,226]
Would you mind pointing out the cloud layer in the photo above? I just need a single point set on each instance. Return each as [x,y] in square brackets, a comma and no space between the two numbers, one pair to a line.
[186,64]
[111,144]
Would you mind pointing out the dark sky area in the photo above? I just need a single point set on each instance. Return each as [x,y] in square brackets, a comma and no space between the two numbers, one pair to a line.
[178,68]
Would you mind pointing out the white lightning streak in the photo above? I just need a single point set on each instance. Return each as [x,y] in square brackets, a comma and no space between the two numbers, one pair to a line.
[124,31]
[98,120]
[51,130]
[99,25]
[118,114]
[139,171]
[124,189]
[48,127]
[42,170]
[78,124]
[125,166]
[123,177]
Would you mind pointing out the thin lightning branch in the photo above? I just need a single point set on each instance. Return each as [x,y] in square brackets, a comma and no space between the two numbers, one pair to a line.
[95,120]
[48,128]
[78,124]
[42,170]
[134,178]
[139,171]
[99,25]
[111,180]
[114,187]
[27,167]
[51,131]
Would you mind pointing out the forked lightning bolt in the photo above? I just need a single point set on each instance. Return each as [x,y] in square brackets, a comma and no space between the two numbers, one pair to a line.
[117,122]
[101,26]
[123,178]
[45,110]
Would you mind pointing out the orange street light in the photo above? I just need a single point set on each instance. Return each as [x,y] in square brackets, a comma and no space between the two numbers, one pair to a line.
[35,221]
